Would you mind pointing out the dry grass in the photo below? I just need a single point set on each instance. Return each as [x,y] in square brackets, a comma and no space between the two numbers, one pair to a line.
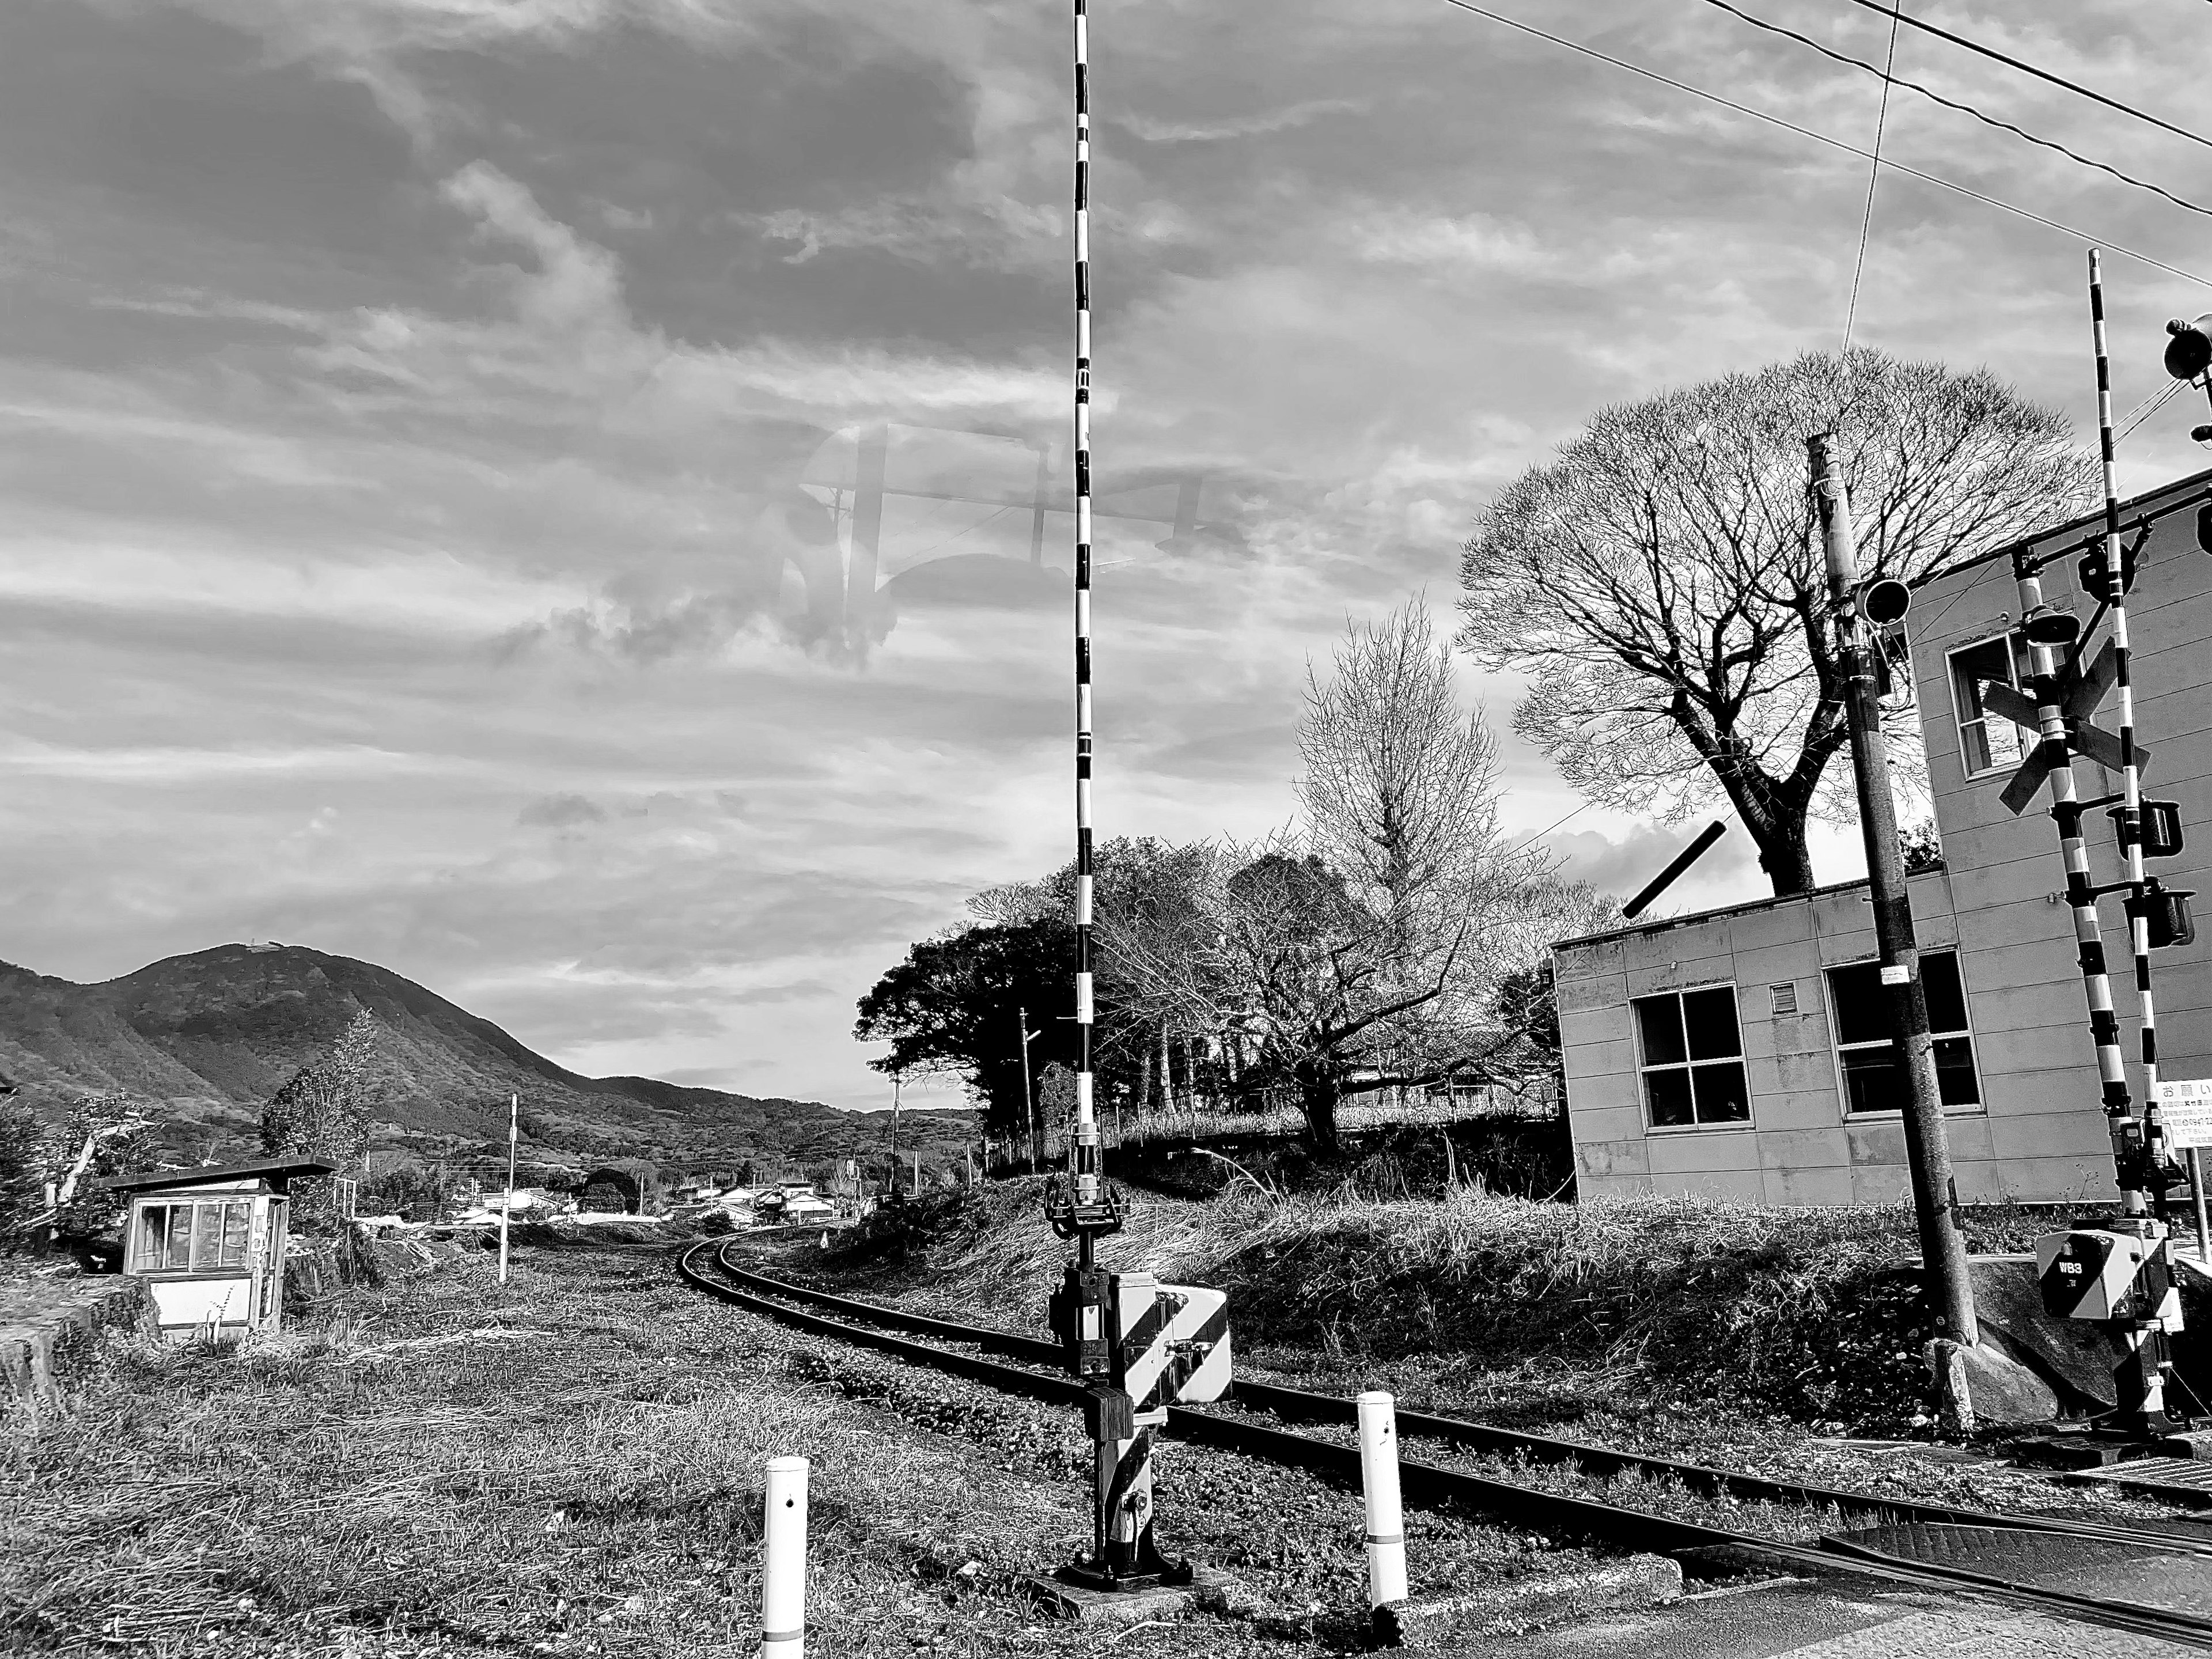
[470,1469]
[1540,1313]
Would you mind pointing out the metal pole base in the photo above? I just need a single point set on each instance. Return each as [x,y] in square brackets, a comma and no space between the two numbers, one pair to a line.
[1088,1574]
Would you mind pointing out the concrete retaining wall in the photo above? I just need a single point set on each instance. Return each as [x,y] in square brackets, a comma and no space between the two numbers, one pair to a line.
[54,1352]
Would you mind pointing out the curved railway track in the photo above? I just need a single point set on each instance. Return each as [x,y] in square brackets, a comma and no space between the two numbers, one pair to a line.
[1036,1375]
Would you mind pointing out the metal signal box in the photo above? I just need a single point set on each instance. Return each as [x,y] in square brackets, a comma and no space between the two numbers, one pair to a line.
[2093,1274]
[1079,1312]
[1171,1344]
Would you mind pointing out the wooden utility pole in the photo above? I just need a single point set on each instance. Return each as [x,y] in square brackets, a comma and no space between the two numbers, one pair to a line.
[1029,1103]
[1950,1287]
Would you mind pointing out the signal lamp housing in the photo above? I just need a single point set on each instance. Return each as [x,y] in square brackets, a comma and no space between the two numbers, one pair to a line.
[2166,911]
[1884,602]
[2188,353]
[2051,627]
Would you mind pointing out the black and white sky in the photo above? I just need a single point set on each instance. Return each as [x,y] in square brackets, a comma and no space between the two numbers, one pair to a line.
[419,420]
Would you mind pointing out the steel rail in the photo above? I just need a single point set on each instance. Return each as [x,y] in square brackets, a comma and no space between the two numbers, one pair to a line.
[1430,1483]
[1301,1405]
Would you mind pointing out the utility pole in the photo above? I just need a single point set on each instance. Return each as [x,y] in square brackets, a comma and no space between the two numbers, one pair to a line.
[507,1208]
[1029,1103]
[1927,1147]
[897,1080]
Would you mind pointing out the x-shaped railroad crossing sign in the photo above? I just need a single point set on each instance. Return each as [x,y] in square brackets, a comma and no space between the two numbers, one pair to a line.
[2079,692]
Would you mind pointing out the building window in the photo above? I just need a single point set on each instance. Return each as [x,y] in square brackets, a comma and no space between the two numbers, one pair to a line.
[1692,1061]
[1987,741]
[199,1235]
[1866,1047]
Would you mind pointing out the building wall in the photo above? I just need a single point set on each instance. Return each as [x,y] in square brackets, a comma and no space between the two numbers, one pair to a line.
[2039,1135]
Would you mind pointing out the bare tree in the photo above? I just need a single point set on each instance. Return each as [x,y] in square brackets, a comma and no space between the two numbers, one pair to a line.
[1361,949]
[1662,586]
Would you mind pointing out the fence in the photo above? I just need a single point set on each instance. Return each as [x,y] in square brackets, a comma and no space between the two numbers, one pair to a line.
[1276,1119]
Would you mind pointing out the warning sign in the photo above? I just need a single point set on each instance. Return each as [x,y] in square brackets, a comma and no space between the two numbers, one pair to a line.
[2185,1109]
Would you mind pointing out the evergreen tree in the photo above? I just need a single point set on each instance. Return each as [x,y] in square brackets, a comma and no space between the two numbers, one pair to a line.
[322,1113]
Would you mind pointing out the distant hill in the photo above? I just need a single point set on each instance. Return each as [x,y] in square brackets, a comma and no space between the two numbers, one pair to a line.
[208,1037]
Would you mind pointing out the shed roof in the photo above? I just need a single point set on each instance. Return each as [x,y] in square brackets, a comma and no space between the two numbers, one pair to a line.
[276,1170]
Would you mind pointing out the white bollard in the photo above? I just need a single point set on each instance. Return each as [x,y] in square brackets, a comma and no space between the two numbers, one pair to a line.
[1378,1485]
[783,1580]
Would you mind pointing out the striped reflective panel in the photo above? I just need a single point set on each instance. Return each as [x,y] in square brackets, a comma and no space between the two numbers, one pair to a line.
[1159,1325]
[2091,1274]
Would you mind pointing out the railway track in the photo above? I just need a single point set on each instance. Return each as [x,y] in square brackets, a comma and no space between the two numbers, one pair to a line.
[963,1349]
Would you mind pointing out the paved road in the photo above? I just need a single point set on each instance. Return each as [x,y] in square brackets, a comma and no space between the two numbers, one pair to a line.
[1828,1619]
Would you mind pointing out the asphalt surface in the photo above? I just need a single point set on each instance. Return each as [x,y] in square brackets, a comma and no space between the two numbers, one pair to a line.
[1829,1619]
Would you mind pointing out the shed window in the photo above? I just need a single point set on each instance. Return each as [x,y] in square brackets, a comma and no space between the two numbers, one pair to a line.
[1693,1061]
[196,1235]
[1987,741]
[1866,1046]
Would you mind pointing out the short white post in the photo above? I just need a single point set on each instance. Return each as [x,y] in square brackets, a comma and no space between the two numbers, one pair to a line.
[1378,1485]
[783,1580]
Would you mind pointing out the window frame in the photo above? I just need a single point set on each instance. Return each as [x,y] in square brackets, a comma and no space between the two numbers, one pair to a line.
[2016,647]
[1980,1105]
[1645,1069]
[223,1231]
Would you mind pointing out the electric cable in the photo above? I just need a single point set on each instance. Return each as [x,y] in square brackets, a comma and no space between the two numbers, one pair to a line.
[2150,406]
[1822,137]
[2029,69]
[1874,177]
[1987,119]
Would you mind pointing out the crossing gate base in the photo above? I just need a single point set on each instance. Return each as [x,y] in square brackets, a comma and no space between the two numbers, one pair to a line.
[1122,1602]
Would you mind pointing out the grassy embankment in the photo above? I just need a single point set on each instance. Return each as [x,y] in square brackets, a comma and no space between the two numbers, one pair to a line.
[1528,1312]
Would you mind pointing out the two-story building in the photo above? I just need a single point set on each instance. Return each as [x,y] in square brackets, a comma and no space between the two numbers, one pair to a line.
[1744,1052]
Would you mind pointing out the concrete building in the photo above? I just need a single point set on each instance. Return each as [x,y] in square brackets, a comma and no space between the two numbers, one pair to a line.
[1744,1052]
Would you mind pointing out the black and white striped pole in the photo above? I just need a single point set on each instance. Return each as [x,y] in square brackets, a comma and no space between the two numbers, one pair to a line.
[1080,1205]
[2129,814]
[2119,1273]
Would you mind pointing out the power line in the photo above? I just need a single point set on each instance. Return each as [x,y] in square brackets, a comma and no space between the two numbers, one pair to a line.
[1874,177]
[1822,137]
[1987,119]
[2029,69]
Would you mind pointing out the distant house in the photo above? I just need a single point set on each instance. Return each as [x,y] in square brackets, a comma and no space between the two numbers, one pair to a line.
[1747,1052]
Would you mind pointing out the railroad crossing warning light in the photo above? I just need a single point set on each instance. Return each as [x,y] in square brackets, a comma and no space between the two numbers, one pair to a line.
[1884,602]
[2204,512]
[2188,353]
[2166,911]
[2161,827]
[2050,627]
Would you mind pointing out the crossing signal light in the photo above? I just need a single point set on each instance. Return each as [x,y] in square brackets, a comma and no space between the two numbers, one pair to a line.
[2051,627]
[1884,602]
[2205,516]
[2166,910]
[2161,827]
[2188,353]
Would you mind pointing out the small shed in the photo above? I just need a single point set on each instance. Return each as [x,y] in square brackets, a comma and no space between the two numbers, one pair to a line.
[210,1242]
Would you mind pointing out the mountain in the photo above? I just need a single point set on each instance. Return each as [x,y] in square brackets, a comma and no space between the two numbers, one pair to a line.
[208,1037]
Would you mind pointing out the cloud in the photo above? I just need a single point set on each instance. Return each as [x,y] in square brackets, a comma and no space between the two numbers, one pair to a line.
[561,812]
[434,421]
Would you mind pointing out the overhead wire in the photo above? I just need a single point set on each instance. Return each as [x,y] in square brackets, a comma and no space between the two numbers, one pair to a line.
[1821,137]
[1874,177]
[1983,115]
[2011,61]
